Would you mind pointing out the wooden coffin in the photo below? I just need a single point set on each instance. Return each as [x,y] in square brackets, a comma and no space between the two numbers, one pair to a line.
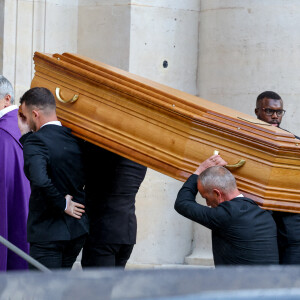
[168,130]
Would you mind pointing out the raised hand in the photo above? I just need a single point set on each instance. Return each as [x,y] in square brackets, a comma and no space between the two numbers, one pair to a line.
[215,160]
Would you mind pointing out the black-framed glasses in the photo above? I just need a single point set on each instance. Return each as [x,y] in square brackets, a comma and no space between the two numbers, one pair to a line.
[271,112]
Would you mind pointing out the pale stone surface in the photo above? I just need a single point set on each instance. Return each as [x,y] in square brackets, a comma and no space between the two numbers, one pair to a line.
[9,40]
[164,237]
[247,47]
[38,37]
[201,246]
[184,5]
[95,3]
[24,50]
[161,34]
[29,26]
[104,31]
[61,23]
[1,34]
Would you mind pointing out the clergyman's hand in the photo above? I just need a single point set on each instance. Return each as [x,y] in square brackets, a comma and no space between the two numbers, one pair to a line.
[74,209]
[215,160]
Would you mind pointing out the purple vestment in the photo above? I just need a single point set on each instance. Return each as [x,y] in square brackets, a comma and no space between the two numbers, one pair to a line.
[14,193]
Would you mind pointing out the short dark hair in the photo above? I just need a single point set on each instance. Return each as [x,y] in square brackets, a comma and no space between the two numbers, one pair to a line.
[40,97]
[268,95]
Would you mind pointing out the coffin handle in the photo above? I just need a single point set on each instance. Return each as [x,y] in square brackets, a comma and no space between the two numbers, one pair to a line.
[239,164]
[72,100]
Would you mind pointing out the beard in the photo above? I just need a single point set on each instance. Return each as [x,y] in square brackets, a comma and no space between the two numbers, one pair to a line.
[32,125]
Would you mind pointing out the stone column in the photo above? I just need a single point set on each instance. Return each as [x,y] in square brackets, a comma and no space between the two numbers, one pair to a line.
[29,26]
[104,31]
[1,33]
[163,48]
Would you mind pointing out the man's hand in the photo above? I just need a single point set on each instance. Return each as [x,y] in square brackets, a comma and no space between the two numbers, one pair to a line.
[74,209]
[23,126]
[215,160]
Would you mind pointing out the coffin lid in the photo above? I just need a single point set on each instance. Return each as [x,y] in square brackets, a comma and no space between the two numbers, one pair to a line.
[186,105]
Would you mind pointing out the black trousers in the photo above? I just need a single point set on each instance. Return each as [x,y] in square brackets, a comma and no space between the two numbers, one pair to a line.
[57,254]
[288,236]
[107,255]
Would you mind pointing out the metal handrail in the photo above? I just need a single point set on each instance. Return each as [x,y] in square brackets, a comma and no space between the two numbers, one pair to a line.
[24,255]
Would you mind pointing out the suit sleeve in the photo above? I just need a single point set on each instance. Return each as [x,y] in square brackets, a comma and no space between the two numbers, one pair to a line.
[186,205]
[36,161]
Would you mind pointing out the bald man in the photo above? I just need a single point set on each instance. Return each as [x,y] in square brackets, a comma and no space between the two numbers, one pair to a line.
[242,232]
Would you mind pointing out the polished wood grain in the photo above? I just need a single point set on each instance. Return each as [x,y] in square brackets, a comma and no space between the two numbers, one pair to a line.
[168,130]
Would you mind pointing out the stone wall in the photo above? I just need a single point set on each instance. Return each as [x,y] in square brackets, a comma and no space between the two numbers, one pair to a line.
[47,26]
[247,47]
[104,31]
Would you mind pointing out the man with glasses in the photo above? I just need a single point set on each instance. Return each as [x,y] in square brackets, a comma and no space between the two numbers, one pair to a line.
[269,108]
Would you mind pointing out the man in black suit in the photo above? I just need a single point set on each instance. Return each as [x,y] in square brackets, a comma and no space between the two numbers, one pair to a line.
[242,232]
[111,187]
[269,108]
[57,225]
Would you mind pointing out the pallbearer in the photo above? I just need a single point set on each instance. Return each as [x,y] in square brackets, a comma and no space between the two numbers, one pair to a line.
[242,232]
[111,187]
[269,108]
[57,224]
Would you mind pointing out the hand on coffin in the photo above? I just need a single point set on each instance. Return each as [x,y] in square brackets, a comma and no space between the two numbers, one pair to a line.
[23,126]
[73,209]
[215,160]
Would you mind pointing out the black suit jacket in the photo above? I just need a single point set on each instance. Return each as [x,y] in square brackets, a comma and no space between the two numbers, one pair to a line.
[53,163]
[242,232]
[111,187]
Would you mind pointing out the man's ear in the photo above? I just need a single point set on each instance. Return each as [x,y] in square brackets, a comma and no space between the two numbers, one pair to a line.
[7,99]
[35,113]
[218,194]
[256,111]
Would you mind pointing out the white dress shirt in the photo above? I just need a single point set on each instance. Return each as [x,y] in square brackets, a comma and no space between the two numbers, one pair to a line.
[52,123]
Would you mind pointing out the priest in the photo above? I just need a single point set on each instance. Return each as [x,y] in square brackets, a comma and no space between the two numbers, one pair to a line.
[14,186]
